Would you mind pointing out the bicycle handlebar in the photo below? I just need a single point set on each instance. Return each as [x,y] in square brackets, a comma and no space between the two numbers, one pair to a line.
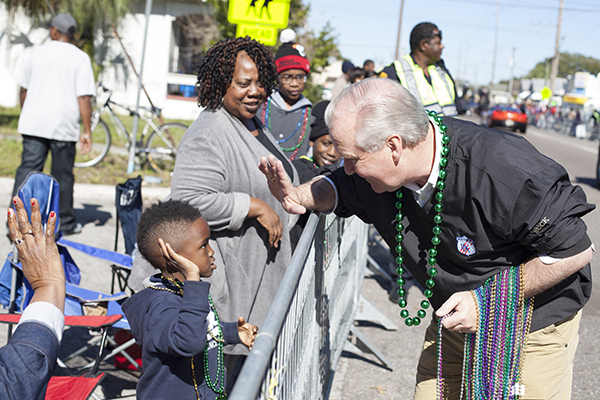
[153,110]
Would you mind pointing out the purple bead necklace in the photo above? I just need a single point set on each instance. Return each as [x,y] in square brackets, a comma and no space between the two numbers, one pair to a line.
[492,356]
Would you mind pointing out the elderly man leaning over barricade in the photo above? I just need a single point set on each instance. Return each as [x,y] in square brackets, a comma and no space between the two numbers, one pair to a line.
[482,220]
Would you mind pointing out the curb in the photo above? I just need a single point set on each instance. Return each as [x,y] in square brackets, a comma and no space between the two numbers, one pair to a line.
[100,192]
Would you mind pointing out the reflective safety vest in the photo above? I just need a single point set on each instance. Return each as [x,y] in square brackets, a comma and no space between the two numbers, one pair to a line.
[438,97]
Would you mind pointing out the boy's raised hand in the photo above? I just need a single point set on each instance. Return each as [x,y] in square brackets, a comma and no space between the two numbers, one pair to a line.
[247,332]
[188,269]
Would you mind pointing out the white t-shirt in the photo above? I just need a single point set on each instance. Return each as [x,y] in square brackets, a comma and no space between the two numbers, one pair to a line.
[55,75]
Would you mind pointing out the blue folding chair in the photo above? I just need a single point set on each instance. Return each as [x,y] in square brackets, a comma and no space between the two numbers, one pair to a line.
[15,291]
[128,203]
[44,188]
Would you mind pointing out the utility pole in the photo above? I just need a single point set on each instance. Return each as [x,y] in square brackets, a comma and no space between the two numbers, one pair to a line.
[397,56]
[512,70]
[495,44]
[136,116]
[556,58]
[459,74]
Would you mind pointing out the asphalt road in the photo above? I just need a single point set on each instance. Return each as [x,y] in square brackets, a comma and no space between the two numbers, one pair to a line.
[358,375]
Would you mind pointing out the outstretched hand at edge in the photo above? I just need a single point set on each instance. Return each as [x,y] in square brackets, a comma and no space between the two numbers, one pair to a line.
[42,265]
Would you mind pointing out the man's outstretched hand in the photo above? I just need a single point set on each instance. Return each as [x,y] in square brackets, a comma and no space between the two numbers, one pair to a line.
[280,186]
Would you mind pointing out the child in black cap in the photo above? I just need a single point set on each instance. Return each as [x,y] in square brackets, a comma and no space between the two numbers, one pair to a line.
[325,158]
[324,154]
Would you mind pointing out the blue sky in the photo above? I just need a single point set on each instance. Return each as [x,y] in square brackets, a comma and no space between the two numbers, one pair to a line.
[368,29]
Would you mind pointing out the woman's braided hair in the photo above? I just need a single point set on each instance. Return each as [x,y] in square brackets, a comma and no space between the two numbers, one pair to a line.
[215,71]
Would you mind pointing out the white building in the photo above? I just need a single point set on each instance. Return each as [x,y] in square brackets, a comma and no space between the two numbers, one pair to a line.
[169,59]
[328,76]
[584,93]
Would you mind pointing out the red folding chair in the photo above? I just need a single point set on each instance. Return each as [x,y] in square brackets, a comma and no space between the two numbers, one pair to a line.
[72,387]
[75,387]
[90,322]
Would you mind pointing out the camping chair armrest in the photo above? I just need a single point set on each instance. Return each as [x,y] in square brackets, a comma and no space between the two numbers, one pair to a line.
[123,260]
[89,321]
[10,318]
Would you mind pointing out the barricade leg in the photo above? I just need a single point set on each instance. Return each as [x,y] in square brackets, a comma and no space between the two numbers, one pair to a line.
[366,343]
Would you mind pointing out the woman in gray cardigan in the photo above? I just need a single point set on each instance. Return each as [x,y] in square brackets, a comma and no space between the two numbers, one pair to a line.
[217,171]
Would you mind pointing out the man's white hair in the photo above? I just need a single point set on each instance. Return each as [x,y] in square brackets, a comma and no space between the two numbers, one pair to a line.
[376,108]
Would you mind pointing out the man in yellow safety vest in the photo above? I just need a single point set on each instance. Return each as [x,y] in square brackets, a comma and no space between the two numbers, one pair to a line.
[423,72]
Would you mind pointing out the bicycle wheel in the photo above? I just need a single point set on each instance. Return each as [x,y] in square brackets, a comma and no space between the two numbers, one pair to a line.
[100,147]
[161,146]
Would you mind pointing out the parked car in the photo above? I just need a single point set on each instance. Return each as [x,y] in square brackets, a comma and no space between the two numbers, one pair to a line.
[508,117]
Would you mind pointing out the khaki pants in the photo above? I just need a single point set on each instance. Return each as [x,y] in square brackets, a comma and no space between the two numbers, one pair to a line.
[547,367]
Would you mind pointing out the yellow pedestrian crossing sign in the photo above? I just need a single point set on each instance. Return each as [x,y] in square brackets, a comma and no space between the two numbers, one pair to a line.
[264,34]
[274,13]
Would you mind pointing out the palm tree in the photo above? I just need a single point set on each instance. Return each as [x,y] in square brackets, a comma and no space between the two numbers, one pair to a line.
[90,15]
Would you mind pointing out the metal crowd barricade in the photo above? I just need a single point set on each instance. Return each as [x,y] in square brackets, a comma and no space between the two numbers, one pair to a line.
[298,346]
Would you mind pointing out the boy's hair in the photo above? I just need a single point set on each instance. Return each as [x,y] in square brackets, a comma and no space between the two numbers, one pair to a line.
[168,220]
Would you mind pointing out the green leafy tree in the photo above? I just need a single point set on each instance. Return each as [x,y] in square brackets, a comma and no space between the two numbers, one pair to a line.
[85,12]
[319,46]
[568,64]
[90,16]
[220,10]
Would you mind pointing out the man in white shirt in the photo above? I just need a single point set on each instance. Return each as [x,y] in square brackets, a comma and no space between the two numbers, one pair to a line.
[57,84]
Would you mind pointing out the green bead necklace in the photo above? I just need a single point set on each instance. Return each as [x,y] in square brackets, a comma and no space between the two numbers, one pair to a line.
[218,386]
[435,240]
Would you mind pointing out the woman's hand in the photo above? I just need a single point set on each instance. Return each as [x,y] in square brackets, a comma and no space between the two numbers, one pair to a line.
[247,332]
[188,269]
[42,265]
[268,218]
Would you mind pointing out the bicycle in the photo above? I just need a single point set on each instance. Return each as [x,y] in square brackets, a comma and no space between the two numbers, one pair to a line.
[157,144]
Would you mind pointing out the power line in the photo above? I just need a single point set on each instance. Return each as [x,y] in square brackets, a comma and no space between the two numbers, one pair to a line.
[521,5]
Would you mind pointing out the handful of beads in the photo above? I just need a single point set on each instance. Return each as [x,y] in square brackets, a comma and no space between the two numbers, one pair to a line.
[493,355]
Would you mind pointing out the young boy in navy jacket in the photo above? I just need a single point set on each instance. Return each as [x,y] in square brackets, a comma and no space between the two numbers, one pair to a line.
[174,319]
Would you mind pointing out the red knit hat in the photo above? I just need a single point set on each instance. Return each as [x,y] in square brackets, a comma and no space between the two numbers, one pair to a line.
[291,55]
